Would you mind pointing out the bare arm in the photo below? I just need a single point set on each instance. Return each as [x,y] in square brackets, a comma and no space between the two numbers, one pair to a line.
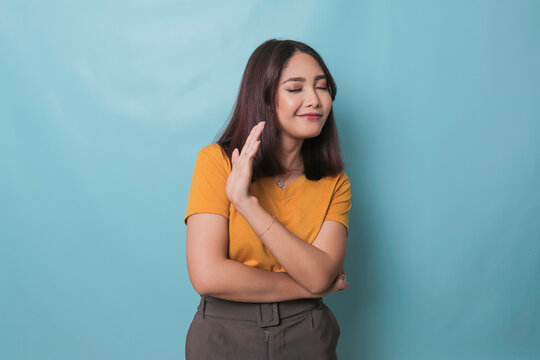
[212,273]
[314,266]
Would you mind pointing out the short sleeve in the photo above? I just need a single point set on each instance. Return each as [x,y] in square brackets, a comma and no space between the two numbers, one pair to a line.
[340,204]
[207,193]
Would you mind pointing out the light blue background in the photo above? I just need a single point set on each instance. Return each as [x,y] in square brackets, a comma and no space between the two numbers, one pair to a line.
[104,105]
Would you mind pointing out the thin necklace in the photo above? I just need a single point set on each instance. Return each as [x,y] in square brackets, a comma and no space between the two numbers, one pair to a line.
[282,182]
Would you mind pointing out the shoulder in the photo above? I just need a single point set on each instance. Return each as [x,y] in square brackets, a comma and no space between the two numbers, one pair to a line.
[212,149]
[342,177]
[336,180]
[340,184]
[333,184]
[214,154]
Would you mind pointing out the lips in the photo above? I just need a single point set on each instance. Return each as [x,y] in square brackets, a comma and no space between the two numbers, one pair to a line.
[311,116]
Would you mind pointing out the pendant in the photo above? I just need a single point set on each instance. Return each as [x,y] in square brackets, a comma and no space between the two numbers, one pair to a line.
[280,184]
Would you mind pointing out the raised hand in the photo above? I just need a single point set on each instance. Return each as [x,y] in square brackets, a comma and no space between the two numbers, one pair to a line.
[239,180]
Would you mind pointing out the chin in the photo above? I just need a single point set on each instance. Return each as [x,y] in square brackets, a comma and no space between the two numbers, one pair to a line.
[306,131]
[310,134]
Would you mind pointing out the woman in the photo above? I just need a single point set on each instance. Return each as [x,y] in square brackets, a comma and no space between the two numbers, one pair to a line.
[267,216]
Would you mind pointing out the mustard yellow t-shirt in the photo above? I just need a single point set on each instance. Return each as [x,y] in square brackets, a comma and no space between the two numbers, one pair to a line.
[301,207]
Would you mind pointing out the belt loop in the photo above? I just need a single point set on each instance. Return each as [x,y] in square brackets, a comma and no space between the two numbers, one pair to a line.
[275,315]
[203,300]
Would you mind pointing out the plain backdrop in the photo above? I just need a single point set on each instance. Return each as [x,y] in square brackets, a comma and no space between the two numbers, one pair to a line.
[105,104]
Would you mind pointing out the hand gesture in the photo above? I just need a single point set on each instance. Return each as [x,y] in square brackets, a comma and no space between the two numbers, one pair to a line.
[239,180]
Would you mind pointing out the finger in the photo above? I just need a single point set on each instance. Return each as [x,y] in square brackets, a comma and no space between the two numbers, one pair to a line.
[253,136]
[255,148]
[234,157]
[250,154]
[257,140]
[249,140]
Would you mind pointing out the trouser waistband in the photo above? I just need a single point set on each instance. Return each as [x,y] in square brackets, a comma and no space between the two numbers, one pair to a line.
[264,314]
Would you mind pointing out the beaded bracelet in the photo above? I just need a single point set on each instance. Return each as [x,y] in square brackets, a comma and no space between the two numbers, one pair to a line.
[273,220]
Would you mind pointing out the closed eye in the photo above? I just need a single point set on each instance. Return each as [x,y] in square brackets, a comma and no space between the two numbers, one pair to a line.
[297,90]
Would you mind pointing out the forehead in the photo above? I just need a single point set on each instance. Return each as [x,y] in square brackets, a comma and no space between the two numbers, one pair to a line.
[301,64]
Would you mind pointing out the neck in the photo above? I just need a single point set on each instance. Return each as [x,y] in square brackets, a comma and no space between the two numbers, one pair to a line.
[291,155]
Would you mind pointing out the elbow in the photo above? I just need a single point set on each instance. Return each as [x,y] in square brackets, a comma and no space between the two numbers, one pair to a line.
[200,287]
[318,289]
[204,287]
[322,281]
[202,282]
[319,285]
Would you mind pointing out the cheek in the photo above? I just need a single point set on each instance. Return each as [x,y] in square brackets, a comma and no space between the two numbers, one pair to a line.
[287,107]
[327,100]
[289,102]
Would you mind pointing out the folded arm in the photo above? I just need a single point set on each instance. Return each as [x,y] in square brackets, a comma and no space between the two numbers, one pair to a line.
[314,266]
[212,273]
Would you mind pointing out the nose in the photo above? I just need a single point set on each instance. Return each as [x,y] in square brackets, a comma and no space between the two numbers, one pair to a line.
[312,98]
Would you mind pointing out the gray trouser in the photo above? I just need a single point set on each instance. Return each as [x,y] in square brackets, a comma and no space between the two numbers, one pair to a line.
[296,329]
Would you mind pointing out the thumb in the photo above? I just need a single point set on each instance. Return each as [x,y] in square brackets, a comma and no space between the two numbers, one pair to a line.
[234,156]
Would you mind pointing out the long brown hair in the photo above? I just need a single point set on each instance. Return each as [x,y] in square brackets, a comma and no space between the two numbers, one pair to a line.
[256,102]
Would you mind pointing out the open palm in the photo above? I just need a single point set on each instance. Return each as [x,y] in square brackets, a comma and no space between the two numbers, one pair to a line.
[239,179]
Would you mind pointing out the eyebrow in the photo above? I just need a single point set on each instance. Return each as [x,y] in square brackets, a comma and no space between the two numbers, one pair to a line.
[318,77]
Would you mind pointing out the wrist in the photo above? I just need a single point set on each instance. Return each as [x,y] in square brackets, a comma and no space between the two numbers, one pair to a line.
[246,205]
